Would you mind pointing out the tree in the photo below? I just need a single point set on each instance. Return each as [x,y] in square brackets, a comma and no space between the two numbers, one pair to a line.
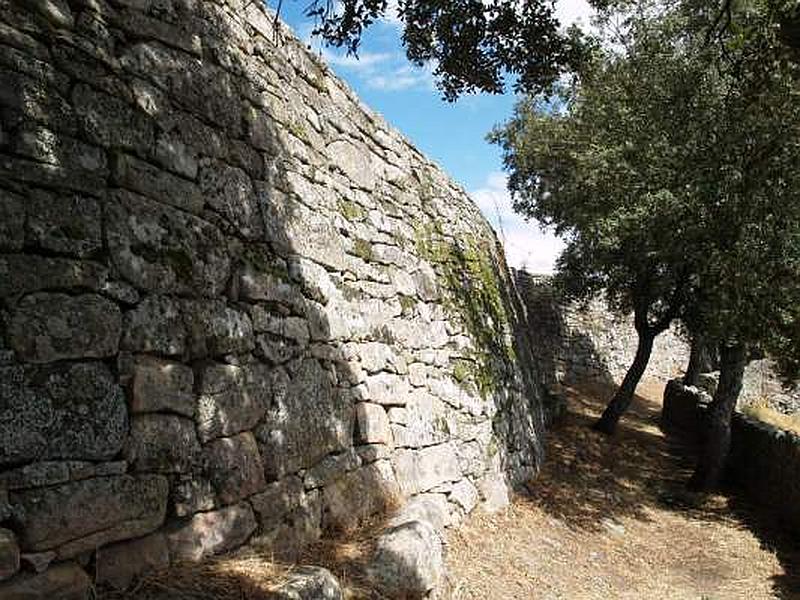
[672,176]
[473,45]
[608,167]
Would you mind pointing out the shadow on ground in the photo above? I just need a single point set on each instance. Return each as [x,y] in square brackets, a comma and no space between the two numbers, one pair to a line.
[591,482]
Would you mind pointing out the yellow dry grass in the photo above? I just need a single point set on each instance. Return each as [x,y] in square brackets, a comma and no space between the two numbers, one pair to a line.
[761,411]
[609,518]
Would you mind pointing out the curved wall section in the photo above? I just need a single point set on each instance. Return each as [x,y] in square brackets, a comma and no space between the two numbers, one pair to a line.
[236,305]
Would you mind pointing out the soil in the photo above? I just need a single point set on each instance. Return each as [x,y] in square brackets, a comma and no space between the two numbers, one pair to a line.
[610,518]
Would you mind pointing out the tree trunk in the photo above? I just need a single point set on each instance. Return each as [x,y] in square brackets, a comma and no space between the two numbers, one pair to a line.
[695,366]
[711,463]
[624,394]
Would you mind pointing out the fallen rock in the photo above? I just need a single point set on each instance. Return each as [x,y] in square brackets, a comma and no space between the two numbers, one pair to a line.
[308,583]
[408,561]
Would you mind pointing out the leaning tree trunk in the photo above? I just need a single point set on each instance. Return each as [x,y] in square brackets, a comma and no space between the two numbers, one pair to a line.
[624,394]
[711,463]
[695,366]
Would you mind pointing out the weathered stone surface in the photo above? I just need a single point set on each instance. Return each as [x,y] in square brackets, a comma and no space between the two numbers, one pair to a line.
[427,508]
[465,494]
[75,517]
[41,474]
[70,223]
[308,420]
[38,561]
[211,533]
[427,421]
[65,581]
[371,452]
[387,389]
[287,535]
[235,467]
[110,121]
[142,177]
[161,385]
[64,411]
[331,467]
[358,495]
[422,470]
[9,554]
[157,326]
[408,562]
[58,150]
[118,565]
[305,583]
[372,424]
[161,443]
[161,249]
[494,492]
[215,329]
[12,220]
[232,399]
[278,499]
[192,493]
[48,327]
[20,274]
[354,162]
[230,192]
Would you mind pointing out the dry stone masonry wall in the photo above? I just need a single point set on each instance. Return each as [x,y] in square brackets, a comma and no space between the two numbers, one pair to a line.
[580,342]
[235,305]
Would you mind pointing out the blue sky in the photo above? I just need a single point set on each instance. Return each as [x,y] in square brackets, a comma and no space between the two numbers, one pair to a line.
[452,134]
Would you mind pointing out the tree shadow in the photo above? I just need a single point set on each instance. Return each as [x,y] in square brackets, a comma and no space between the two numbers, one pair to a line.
[591,482]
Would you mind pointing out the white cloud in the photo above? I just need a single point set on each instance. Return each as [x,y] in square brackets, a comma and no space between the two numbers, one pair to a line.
[526,245]
[365,61]
[404,77]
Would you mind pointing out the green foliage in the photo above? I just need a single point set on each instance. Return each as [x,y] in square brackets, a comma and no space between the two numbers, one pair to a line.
[672,169]
[474,45]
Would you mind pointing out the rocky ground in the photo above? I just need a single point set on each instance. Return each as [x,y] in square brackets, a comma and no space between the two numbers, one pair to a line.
[610,519]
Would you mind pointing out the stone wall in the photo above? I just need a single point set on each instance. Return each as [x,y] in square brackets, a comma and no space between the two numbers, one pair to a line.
[580,342]
[764,460]
[235,304]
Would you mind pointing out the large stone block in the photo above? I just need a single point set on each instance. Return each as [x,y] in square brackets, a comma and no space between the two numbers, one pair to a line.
[372,424]
[110,121]
[118,565]
[24,273]
[350,500]
[161,249]
[161,385]
[408,561]
[308,582]
[307,421]
[232,399]
[229,191]
[215,329]
[161,443]
[48,327]
[234,467]
[142,177]
[422,470]
[156,325]
[65,581]
[70,224]
[75,517]
[63,411]
[286,535]
[211,533]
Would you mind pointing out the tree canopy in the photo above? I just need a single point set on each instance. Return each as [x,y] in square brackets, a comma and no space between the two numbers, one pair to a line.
[472,45]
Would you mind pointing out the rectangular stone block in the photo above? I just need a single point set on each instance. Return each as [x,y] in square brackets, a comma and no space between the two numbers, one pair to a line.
[162,385]
[353,498]
[422,470]
[160,443]
[232,399]
[372,424]
[118,565]
[211,533]
[234,467]
[75,517]
[142,177]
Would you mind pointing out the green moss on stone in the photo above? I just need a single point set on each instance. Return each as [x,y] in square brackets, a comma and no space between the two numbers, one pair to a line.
[351,211]
[363,249]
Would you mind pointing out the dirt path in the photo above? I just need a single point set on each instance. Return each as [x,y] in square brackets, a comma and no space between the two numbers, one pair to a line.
[610,519]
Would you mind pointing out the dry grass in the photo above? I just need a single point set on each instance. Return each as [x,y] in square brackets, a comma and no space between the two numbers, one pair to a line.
[609,518]
[251,575]
[761,411]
